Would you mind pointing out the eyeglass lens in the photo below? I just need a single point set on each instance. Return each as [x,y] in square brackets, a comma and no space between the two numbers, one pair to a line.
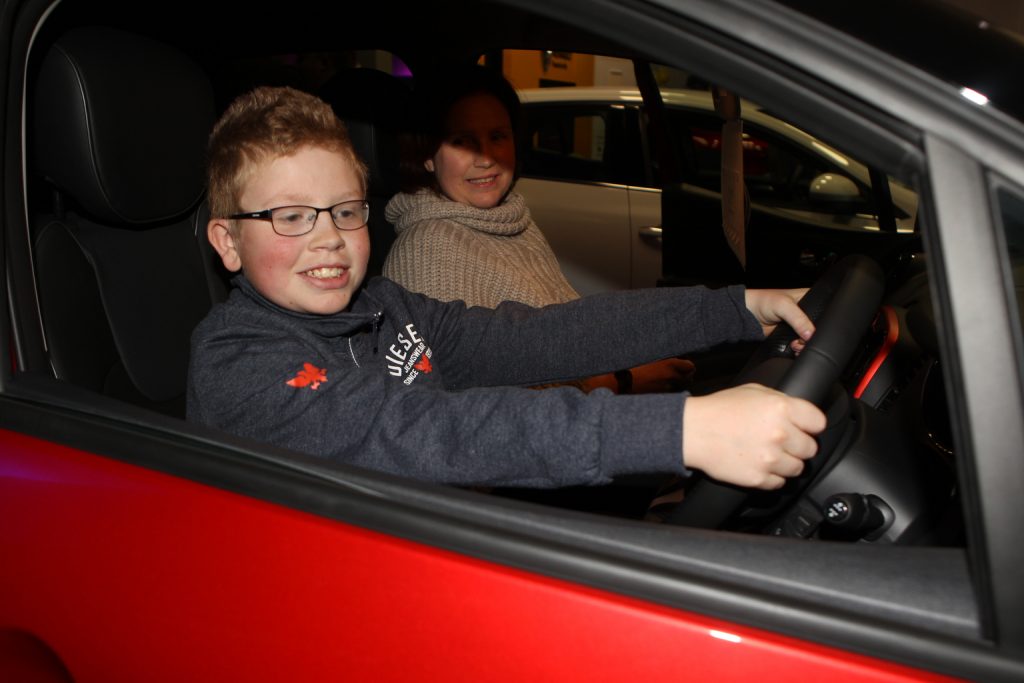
[298,220]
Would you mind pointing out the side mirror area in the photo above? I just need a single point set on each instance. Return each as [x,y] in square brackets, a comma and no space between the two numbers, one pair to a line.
[834,189]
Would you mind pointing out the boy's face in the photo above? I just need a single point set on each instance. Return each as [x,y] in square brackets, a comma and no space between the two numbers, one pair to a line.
[313,273]
[475,163]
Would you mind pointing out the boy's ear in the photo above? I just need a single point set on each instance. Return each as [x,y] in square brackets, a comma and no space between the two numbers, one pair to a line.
[218,231]
[429,165]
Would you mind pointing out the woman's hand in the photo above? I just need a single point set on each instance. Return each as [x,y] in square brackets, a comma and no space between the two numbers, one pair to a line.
[671,374]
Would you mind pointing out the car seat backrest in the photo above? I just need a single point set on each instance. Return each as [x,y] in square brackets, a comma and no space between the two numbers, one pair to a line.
[120,124]
[374,106]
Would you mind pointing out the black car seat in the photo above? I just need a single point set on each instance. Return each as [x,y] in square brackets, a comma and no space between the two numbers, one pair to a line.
[120,124]
[374,106]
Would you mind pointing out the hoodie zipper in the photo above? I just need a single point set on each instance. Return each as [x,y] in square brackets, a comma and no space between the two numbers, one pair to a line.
[375,331]
[353,353]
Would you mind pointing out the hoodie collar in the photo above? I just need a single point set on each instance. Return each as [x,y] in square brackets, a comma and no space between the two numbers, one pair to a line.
[363,313]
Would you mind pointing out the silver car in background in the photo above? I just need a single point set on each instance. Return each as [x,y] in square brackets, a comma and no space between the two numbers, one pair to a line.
[590,178]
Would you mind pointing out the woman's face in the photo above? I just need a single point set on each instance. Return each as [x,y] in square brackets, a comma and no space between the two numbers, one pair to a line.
[476,161]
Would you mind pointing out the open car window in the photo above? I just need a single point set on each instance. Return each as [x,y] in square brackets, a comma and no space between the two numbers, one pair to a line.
[784,167]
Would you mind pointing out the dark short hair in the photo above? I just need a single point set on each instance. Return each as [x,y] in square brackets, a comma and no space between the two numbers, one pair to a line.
[435,97]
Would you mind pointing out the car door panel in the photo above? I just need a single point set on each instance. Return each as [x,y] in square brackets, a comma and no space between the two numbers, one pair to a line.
[588,228]
[646,236]
[177,580]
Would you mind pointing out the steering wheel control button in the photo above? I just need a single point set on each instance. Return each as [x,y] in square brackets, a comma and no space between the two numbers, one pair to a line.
[838,511]
[855,516]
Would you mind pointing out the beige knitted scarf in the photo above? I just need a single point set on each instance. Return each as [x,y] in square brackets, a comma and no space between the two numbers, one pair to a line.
[449,250]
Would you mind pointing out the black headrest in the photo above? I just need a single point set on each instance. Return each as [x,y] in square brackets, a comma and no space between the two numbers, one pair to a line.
[374,105]
[121,125]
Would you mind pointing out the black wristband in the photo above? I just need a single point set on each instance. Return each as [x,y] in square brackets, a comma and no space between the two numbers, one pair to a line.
[625,380]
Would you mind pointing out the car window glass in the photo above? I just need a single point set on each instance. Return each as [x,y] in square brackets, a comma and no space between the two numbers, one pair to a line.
[567,144]
[569,137]
[576,126]
[783,166]
[1011,212]
[582,137]
[776,171]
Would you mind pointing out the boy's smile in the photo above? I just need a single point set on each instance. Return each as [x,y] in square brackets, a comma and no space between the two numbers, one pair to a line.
[313,273]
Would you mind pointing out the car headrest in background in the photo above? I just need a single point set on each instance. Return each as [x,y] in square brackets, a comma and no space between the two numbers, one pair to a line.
[119,128]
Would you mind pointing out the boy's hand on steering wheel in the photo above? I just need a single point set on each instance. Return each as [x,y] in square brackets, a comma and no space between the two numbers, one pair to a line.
[773,306]
[750,435]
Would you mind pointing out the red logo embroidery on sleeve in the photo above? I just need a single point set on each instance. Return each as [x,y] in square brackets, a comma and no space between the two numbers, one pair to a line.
[309,376]
[424,365]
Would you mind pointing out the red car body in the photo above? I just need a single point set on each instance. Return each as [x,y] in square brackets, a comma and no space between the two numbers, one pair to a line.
[216,586]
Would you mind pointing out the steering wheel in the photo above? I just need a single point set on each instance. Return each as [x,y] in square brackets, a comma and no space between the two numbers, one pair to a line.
[842,304]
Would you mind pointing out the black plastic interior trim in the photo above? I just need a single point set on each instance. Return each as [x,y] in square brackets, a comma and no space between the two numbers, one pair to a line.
[22,344]
[988,428]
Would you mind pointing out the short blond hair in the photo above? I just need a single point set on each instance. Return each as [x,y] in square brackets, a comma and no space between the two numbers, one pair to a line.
[268,123]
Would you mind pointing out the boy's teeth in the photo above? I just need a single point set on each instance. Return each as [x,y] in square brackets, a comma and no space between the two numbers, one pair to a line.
[324,272]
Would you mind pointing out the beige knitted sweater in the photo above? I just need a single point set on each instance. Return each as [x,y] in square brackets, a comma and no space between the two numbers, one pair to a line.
[449,250]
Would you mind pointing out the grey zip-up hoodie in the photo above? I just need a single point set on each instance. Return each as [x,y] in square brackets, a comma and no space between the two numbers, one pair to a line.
[406,384]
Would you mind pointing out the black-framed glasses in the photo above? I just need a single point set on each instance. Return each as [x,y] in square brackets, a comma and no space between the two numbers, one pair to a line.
[293,221]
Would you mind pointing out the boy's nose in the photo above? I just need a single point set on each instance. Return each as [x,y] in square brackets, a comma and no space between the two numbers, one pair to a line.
[325,233]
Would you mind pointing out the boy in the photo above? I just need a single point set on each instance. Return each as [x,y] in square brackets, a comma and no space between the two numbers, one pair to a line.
[305,356]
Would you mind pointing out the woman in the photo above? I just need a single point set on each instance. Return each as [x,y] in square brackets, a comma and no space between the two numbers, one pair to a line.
[463,233]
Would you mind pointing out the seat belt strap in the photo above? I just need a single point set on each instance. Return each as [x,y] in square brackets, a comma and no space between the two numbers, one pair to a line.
[734,219]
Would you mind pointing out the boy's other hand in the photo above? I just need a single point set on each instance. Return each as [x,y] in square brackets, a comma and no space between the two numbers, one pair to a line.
[750,435]
[773,306]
